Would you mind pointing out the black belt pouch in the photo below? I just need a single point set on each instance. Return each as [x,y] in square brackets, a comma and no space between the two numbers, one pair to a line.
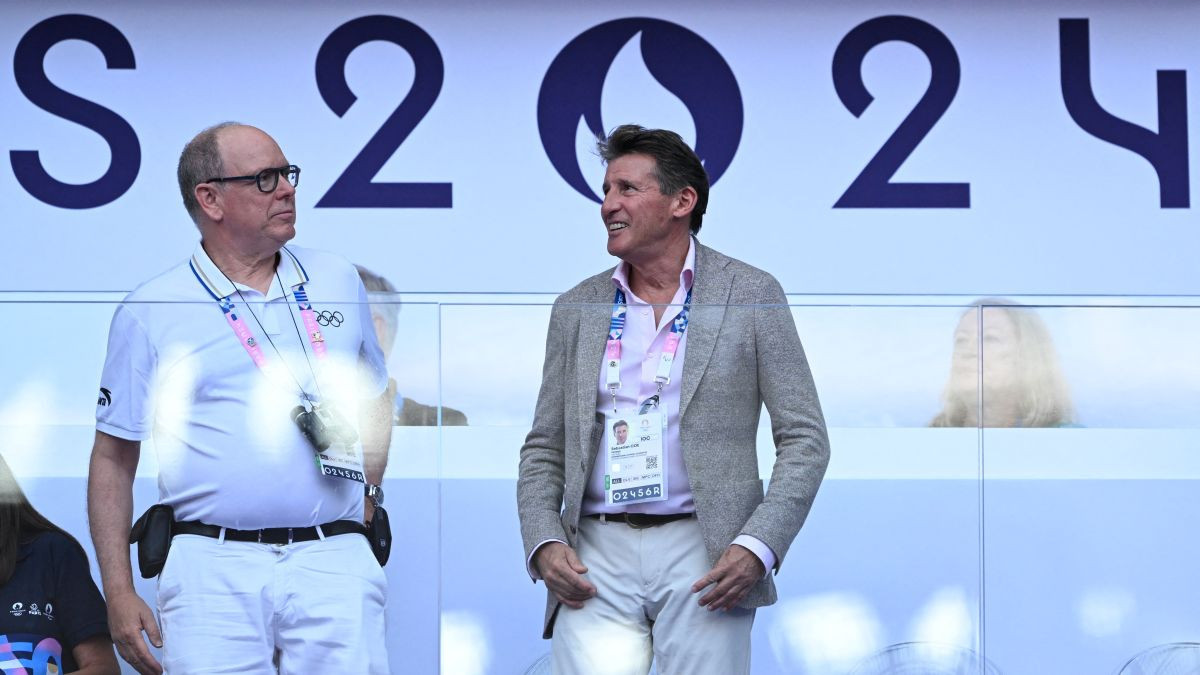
[379,533]
[152,533]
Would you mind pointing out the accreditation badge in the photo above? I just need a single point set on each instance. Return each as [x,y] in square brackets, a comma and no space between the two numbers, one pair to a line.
[342,461]
[338,453]
[634,467]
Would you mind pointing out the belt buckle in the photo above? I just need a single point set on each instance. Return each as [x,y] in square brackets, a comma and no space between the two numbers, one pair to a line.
[633,520]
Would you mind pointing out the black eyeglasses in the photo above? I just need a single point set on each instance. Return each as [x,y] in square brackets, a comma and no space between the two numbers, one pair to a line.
[267,179]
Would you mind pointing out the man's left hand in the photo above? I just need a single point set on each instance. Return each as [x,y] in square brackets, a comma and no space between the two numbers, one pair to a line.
[734,575]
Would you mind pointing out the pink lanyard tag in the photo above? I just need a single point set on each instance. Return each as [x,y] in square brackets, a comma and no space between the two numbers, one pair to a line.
[251,345]
[310,322]
[246,338]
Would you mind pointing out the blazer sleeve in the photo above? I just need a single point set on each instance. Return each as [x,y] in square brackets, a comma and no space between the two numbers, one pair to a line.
[541,473]
[797,424]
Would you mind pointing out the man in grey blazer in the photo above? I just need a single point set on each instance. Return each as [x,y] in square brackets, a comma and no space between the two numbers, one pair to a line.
[658,546]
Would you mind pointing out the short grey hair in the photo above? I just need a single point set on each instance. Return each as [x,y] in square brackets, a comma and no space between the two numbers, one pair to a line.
[200,161]
[384,304]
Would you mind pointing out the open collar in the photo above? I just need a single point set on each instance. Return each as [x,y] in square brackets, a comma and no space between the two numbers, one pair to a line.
[288,271]
[620,275]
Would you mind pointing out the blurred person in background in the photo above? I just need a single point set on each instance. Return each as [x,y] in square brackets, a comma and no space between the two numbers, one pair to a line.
[1023,384]
[54,620]
[385,313]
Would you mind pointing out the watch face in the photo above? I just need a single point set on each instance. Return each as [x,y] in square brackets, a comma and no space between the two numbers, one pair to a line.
[375,492]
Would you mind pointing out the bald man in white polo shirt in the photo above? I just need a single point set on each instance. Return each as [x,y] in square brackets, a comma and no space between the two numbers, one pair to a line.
[222,361]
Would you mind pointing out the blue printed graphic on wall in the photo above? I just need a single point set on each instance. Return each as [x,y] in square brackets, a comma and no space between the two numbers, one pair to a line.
[684,63]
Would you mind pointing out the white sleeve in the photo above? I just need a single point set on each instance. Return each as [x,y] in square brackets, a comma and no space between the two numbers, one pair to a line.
[124,408]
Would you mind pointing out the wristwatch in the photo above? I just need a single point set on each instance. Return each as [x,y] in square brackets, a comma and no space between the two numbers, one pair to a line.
[375,494]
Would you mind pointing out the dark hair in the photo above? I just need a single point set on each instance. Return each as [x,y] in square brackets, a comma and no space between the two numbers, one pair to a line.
[19,522]
[199,161]
[620,423]
[676,165]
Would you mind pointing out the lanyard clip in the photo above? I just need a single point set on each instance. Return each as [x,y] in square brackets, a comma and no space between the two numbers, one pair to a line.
[649,404]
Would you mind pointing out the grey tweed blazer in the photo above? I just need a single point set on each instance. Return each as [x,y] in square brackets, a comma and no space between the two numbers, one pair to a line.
[742,352]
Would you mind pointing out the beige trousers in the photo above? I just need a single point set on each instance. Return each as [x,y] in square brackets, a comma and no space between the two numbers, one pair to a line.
[644,609]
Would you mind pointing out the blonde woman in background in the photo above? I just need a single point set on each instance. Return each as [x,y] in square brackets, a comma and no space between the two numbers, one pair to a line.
[1023,384]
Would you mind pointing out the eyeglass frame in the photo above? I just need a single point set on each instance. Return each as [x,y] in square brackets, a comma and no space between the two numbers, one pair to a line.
[278,171]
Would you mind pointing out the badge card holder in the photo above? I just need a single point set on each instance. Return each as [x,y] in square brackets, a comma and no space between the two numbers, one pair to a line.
[342,461]
[634,470]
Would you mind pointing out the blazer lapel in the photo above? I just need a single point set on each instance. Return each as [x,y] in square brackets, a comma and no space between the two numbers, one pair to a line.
[710,295]
[593,333]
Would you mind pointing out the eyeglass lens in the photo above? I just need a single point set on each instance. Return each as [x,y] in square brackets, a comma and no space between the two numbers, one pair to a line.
[268,179]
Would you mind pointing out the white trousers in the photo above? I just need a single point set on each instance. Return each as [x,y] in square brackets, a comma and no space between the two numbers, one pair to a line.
[226,607]
[644,608]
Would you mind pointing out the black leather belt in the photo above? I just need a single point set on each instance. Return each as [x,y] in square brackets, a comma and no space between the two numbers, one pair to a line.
[640,521]
[270,535]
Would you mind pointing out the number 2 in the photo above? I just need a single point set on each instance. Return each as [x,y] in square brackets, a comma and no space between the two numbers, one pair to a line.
[355,187]
[873,187]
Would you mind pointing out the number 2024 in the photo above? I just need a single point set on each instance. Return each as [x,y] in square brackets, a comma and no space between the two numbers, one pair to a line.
[1166,149]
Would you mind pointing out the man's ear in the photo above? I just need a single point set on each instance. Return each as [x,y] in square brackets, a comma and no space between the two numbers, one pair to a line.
[210,199]
[685,201]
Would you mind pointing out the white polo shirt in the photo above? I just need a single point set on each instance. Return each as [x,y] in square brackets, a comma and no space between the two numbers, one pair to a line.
[229,453]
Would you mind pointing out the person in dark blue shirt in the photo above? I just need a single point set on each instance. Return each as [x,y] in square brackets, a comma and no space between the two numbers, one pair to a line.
[52,617]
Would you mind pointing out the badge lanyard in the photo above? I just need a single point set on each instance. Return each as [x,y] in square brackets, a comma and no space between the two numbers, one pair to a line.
[616,328]
[246,337]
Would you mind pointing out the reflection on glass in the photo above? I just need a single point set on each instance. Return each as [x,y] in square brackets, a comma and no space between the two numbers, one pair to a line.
[385,314]
[926,658]
[466,649]
[1023,383]
[1103,612]
[825,633]
[945,619]
[1180,658]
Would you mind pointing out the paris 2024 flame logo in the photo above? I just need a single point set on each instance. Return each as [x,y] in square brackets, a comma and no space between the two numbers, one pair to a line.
[681,61]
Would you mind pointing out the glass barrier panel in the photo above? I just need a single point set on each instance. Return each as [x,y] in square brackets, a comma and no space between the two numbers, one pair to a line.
[1009,490]
[1091,473]
[890,551]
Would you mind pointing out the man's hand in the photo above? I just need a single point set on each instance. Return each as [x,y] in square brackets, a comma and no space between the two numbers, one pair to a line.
[561,570]
[128,616]
[734,575]
[368,510]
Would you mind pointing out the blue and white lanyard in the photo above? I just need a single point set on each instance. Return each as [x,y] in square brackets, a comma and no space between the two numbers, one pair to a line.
[612,352]
[246,337]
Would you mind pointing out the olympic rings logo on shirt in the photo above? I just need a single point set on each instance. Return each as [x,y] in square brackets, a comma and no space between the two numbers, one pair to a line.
[326,318]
